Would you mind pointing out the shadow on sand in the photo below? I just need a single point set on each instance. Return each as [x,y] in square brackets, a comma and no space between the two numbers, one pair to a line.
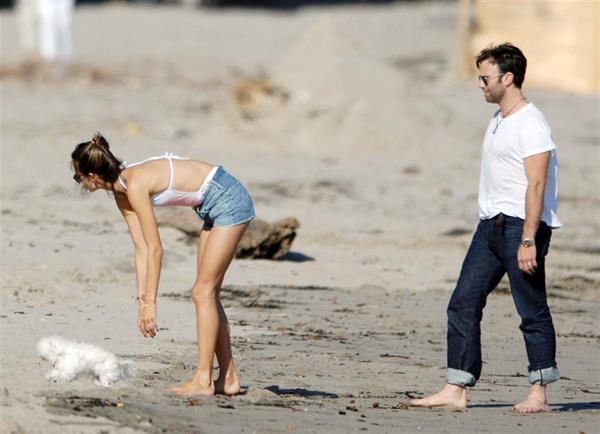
[571,406]
[302,392]
[296,257]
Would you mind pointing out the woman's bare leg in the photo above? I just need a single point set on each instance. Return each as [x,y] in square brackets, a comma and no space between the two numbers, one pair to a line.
[216,251]
[228,382]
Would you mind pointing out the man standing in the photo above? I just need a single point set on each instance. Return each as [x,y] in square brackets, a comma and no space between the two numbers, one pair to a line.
[518,194]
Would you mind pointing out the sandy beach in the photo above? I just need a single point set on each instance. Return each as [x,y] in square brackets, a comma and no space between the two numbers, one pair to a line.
[368,138]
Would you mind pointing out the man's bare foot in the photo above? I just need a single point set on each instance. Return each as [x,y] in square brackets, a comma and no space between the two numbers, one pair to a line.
[228,385]
[194,387]
[535,402]
[450,396]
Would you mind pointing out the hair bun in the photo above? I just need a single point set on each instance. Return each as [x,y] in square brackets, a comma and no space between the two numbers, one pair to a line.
[99,140]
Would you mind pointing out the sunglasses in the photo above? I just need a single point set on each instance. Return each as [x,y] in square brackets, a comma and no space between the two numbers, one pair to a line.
[77,178]
[485,78]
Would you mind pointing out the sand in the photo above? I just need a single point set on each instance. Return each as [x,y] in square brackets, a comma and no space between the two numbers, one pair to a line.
[367,138]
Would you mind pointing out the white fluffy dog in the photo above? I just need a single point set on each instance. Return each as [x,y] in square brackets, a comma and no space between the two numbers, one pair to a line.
[69,358]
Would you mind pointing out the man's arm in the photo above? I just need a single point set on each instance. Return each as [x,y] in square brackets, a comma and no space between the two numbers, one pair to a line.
[536,168]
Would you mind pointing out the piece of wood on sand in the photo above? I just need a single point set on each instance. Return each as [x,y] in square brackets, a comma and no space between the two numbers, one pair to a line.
[261,240]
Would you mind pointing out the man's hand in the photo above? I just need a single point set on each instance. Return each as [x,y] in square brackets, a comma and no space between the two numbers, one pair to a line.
[526,258]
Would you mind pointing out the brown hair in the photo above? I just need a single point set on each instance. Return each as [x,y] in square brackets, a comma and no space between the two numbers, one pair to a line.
[95,157]
[508,58]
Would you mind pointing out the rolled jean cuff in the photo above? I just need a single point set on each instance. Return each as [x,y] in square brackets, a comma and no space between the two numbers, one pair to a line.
[544,376]
[460,378]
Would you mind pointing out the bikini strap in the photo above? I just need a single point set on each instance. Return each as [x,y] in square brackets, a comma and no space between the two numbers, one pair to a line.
[168,155]
[170,174]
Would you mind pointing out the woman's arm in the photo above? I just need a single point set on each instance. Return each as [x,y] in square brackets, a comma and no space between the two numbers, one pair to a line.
[141,252]
[139,200]
[139,215]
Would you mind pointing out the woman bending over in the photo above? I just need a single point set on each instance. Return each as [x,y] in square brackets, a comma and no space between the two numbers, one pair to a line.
[226,209]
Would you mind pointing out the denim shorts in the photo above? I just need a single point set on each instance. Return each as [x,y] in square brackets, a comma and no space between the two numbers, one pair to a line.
[226,202]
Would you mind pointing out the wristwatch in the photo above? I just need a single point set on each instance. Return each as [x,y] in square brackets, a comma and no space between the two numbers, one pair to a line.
[528,242]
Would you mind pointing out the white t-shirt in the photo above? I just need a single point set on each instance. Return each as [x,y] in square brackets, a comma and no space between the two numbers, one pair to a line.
[503,183]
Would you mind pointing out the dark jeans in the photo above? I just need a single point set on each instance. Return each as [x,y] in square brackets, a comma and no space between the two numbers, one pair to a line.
[493,252]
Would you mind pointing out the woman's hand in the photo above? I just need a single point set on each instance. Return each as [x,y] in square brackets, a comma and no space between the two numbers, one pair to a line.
[147,319]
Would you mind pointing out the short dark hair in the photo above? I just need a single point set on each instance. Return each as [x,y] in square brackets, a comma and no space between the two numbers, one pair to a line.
[508,58]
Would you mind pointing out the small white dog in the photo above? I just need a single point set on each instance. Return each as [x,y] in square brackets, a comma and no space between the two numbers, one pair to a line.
[70,358]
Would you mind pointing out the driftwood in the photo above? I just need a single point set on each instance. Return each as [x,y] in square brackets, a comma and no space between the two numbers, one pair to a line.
[261,239]
[268,240]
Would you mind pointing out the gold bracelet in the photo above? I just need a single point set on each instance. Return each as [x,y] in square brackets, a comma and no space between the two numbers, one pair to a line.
[148,305]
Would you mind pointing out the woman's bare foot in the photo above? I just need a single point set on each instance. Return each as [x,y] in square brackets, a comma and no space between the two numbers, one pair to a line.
[194,387]
[450,396]
[230,385]
[535,402]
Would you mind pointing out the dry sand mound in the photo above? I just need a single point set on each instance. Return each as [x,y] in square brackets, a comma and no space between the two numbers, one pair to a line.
[326,63]
[338,96]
